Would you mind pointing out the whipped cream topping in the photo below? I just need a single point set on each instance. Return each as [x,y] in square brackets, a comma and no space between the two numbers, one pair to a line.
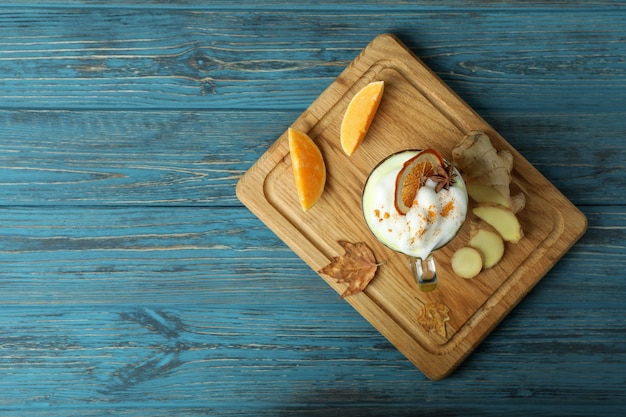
[432,221]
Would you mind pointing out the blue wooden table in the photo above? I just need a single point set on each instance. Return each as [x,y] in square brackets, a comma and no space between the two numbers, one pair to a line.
[134,283]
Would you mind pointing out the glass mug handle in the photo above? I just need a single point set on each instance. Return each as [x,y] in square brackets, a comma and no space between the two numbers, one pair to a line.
[424,272]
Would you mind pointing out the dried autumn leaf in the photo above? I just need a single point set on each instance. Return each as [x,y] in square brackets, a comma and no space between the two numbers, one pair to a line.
[357,267]
[433,316]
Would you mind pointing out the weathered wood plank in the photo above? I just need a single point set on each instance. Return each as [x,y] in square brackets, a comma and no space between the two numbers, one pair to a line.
[326,5]
[84,255]
[281,59]
[159,255]
[196,157]
[199,358]
[162,157]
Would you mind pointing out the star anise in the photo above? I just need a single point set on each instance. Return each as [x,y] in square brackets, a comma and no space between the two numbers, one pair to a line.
[444,177]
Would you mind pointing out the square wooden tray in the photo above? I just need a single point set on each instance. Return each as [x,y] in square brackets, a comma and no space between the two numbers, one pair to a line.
[417,111]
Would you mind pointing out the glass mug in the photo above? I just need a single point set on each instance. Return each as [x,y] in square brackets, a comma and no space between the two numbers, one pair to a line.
[431,223]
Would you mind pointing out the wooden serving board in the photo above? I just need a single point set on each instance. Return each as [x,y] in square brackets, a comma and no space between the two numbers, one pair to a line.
[417,111]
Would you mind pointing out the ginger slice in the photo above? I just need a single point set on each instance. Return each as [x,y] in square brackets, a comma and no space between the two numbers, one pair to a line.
[489,242]
[482,193]
[502,219]
[467,262]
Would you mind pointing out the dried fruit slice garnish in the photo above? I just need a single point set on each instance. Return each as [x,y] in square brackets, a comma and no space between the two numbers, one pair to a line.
[413,175]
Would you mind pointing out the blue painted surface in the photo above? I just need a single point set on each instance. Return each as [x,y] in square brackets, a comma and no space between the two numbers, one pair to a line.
[133,281]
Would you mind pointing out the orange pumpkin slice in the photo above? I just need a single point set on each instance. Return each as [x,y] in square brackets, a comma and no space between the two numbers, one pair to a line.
[413,175]
[309,169]
[359,115]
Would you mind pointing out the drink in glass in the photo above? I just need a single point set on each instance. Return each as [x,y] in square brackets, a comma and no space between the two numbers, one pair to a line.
[433,217]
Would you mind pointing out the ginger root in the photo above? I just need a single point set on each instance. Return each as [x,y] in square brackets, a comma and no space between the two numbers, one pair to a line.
[480,163]
[467,262]
[487,175]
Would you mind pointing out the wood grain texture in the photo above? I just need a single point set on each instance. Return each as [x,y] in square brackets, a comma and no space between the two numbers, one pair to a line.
[124,127]
[178,58]
[131,157]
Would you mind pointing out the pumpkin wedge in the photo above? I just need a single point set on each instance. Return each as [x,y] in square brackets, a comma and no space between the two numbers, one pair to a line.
[309,170]
[359,115]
